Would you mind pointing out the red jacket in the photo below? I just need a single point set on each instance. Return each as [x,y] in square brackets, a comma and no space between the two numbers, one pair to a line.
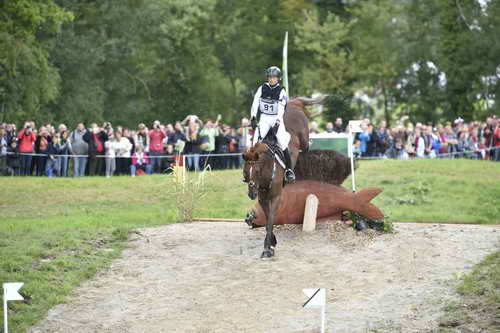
[25,142]
[496,137]
[156,141]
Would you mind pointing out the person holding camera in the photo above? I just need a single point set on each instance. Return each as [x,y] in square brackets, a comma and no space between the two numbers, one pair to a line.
[26,139]
[79,150]
[96,138]
[156,136]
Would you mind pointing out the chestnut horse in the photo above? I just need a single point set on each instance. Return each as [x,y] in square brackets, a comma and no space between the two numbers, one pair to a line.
[265,174]
[297,125]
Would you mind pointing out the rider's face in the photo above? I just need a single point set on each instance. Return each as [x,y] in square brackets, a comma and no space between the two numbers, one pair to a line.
[272,80]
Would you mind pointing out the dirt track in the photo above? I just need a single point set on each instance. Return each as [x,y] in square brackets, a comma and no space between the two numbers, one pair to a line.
[207,277]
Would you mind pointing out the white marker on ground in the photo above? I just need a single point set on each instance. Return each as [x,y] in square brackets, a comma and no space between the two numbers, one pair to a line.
[317,299]
[10,293]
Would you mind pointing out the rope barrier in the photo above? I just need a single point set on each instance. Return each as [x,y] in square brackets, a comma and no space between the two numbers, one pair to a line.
[239,154]
[469,152]
[149,156]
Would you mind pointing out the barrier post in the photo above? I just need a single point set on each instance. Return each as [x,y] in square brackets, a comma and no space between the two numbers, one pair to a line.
[354,126]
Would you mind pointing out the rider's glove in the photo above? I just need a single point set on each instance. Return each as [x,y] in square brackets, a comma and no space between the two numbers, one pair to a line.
[276,124]
[253,122]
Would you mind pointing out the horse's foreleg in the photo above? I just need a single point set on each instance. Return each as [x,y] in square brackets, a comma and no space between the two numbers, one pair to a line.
[270,241]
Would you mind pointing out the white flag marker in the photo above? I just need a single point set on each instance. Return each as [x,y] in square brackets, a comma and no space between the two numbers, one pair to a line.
[285,64]
[10,293]
[317,299]
[353,127]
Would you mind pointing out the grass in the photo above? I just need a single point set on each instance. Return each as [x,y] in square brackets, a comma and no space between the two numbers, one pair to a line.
[478,309]
[55,233]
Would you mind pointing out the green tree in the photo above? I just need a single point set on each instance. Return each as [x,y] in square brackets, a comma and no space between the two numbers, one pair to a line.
[27,79]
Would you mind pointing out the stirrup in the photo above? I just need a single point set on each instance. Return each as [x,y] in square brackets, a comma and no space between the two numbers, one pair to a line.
[289,176]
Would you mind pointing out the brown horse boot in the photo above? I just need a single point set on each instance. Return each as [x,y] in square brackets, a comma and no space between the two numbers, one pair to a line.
[289,174]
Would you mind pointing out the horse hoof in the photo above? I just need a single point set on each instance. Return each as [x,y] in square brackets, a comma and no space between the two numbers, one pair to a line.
[361,225]
[267,254]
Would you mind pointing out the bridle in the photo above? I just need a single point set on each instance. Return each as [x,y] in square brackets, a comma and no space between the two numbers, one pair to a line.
[252,183]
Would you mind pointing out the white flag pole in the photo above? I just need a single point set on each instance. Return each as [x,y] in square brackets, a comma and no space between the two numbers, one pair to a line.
[10,293]
[351,153]
[5,323]
[285,64]
[354,126]
[323,315]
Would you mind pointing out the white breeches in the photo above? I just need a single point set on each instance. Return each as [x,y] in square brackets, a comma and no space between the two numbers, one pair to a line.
[265,124]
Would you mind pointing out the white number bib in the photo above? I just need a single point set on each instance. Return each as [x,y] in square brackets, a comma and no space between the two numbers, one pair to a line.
[268,106]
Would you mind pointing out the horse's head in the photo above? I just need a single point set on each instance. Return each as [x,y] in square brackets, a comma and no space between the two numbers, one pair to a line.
[259,169]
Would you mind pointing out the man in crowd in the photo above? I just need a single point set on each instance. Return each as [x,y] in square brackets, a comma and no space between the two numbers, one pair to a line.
[156,136]
[26,139]
[338,127]
[79,150]
[96,139]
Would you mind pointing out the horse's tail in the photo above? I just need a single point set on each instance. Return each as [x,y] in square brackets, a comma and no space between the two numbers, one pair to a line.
[363,206]
[311,101]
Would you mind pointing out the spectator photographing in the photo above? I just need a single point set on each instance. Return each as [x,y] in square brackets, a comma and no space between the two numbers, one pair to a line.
[79,150]
[156,136]
[140,162]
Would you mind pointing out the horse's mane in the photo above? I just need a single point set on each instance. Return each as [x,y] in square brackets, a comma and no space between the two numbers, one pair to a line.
[253,153]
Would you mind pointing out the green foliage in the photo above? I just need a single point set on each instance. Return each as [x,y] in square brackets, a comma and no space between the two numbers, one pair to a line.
[140,60]
[188,191]
[325,44]
[28,80]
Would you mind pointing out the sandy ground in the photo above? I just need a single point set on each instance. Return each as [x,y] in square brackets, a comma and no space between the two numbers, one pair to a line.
[207,277]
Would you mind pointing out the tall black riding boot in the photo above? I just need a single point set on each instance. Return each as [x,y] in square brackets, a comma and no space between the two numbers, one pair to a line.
[289,174]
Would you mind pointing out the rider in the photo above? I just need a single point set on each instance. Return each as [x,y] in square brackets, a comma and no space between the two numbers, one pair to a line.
[270,99]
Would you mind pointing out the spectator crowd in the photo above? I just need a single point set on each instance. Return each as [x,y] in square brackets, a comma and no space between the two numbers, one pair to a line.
[106,150]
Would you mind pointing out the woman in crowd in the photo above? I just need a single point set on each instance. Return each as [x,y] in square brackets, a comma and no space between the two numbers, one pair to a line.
[234,160]
[193,146]
[110,154]
[140,161]
[122,148]
[44,139]
[141,137]
[62,145]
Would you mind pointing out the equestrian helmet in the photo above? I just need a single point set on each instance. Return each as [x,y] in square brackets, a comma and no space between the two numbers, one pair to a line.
[273,71]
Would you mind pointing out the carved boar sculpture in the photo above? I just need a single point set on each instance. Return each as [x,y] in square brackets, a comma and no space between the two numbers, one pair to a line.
[333,200]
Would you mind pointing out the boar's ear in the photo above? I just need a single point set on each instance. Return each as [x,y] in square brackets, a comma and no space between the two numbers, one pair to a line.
[245,156]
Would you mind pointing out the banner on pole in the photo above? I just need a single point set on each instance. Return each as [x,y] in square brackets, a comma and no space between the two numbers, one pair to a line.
[11,291]
[285,64]
[355,126]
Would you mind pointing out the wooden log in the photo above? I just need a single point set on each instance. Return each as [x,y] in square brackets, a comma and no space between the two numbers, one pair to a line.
[310,214]
[210,219]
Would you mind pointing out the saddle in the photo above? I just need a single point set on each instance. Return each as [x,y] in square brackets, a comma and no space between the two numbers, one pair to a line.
[272,142]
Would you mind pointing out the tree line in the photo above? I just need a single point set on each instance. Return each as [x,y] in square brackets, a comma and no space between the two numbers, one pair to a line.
[132,61]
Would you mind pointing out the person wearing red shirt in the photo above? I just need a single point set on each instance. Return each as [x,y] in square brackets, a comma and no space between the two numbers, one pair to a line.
[156,136]
[26,139]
